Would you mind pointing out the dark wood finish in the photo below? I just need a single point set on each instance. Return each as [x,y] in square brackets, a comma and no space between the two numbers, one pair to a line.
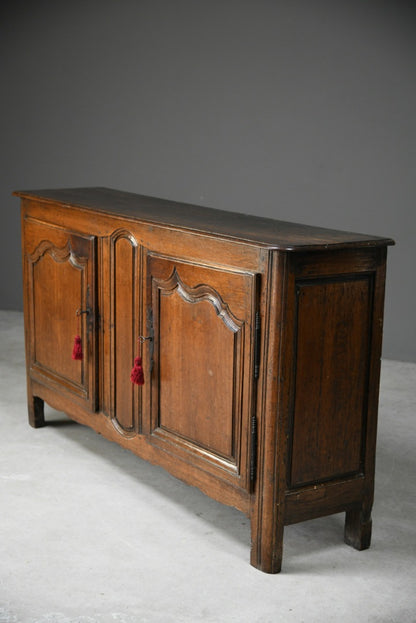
[261,344]
[36,412]
[60,277]
[200,396]
[331,376]
[242,227]
[124,329]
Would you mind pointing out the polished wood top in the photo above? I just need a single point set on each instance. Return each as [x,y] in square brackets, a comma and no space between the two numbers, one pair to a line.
[257,230]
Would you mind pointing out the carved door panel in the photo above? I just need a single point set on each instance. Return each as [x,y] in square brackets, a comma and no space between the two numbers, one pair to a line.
[121,307]
[201,357]
[60,268]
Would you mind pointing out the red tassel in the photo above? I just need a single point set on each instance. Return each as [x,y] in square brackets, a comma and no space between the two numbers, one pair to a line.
[77,353]
[137,376]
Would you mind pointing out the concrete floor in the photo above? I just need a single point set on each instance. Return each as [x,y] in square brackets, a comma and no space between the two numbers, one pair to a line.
[89,533]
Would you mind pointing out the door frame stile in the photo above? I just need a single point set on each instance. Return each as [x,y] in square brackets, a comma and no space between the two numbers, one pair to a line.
[268,499]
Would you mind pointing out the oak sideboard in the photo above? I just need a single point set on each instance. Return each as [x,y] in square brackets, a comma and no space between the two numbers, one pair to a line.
[240,353]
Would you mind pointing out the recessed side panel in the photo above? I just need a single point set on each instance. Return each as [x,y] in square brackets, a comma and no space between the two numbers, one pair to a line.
[331,377]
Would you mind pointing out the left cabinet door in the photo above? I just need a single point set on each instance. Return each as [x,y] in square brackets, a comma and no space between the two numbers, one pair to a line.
[60,303]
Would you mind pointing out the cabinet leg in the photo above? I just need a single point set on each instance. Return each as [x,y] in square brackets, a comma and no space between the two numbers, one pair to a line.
[358,528]
[269,558]
[36,412]
[267,542]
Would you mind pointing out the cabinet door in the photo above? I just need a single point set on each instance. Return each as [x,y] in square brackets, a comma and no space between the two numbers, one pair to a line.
[60,302]
[202,364]
[120,307]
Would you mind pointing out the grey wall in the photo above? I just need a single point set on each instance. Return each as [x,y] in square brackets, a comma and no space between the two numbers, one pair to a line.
[301,110]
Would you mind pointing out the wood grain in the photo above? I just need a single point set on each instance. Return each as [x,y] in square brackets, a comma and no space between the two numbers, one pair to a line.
[259,230]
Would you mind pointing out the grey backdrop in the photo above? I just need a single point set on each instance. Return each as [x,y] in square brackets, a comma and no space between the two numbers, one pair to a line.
[301,110]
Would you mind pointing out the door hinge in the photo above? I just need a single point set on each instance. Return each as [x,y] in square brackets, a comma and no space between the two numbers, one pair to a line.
[253,448]
[257,337]
[253,419]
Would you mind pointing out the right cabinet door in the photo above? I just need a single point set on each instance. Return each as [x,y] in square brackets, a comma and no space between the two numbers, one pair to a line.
[201,359]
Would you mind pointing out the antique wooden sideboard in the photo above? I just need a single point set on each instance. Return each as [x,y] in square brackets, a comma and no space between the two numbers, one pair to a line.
[259,345]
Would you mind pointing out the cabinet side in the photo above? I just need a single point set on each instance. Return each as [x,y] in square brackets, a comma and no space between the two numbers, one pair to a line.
[337,333]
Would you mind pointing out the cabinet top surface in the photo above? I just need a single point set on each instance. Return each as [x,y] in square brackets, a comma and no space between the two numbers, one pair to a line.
[257,230]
